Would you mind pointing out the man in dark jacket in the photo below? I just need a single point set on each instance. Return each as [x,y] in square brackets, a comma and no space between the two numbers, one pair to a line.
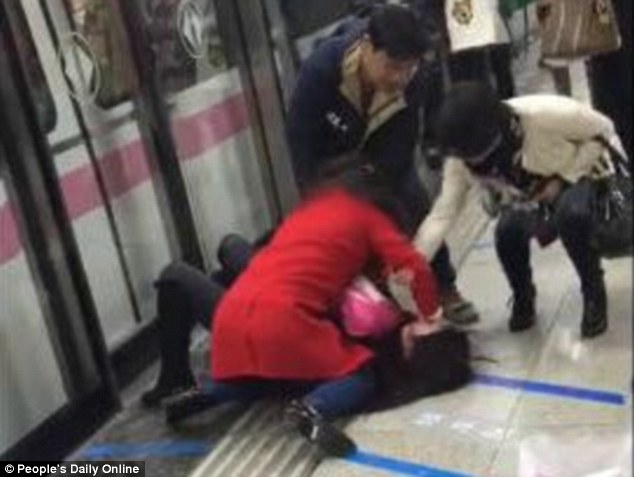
[363,90]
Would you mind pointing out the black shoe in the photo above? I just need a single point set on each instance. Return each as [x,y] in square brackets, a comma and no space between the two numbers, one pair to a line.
[458,310]
[234,252]
[523,315]
[188,404]
[595,312]
[155,396]
[316,430]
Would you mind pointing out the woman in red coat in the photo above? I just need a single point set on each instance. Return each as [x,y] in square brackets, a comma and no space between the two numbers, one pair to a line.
[274,322]
[273,330]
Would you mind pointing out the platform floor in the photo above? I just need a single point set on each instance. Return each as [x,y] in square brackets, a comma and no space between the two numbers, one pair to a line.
[546,383]
[544,391]
[479,431]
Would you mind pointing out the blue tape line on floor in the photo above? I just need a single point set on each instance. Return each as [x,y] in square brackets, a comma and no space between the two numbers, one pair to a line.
[399,466]
[147,449]
[570,392]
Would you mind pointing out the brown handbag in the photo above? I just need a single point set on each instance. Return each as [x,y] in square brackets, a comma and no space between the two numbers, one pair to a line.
[573,29]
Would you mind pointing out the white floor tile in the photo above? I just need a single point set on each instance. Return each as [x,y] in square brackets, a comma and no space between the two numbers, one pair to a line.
[479,430]
[506,463]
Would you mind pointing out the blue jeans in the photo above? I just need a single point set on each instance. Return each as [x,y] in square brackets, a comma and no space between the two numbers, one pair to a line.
[332,399]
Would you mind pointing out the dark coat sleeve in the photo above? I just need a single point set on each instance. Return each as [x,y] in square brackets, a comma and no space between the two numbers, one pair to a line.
[392,147]
[306,111]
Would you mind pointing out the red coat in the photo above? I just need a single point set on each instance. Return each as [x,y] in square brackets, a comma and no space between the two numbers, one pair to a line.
[273,323]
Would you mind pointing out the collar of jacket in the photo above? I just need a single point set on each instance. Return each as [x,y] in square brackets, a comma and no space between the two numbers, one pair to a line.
[383,106]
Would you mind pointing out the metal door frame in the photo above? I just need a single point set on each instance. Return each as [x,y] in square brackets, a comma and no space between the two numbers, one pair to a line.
[246,30]
[53,257]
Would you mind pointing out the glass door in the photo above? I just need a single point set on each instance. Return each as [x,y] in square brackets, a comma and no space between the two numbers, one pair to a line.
[142,133]
[102,162]
[228,185]
[53,359]
[31,378]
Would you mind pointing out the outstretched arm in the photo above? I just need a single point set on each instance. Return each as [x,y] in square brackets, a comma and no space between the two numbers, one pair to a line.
[456,183]
[401,259]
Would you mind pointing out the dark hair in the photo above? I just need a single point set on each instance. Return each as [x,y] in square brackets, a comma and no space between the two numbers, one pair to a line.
[355,173]
[397,30]
[469,118]
[440,363]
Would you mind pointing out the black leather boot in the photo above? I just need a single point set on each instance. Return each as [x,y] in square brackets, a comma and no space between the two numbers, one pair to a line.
[523,315]
[174,329]
[175,375]
[188,404]
[595,310]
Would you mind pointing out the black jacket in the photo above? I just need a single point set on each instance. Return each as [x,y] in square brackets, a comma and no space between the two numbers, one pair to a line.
[323,124]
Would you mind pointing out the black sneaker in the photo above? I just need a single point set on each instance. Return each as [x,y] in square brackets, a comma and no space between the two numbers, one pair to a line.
[457,310]
[160,392]
[595,313]
[316,430]
[188,404]
[523,315]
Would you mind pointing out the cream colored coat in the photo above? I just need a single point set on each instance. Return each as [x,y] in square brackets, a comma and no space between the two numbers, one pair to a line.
[558,134]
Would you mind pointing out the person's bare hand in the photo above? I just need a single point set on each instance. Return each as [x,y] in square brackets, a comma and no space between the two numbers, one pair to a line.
[416,329]
[436,317]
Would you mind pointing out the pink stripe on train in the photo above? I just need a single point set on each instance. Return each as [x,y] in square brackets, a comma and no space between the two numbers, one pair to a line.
[126,167]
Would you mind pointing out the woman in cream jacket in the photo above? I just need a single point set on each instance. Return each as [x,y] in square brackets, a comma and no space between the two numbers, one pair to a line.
[539,155]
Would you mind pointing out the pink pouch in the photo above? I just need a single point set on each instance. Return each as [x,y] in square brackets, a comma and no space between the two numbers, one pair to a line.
[365,312]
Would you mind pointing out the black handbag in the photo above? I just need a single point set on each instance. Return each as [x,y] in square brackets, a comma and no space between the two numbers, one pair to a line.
[613,208]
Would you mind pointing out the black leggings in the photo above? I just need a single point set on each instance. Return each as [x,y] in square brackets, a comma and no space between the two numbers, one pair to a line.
[486,64]
[573,223]
[186,297]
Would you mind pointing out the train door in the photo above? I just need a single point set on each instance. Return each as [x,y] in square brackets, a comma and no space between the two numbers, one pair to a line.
[114,191]
[38,371]
[156,137]
[53,365]
[192,61]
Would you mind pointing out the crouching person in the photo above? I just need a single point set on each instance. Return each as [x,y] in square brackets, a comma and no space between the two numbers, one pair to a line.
[542,155]
[273,332]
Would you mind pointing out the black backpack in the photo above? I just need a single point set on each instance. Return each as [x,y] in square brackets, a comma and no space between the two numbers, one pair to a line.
[440,363]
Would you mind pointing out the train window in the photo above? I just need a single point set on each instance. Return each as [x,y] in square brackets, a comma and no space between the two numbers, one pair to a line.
[99,39]
[185,41]
[30,60]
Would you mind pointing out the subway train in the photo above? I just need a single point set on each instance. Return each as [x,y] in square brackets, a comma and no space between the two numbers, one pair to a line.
[73,59]
[136,133]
